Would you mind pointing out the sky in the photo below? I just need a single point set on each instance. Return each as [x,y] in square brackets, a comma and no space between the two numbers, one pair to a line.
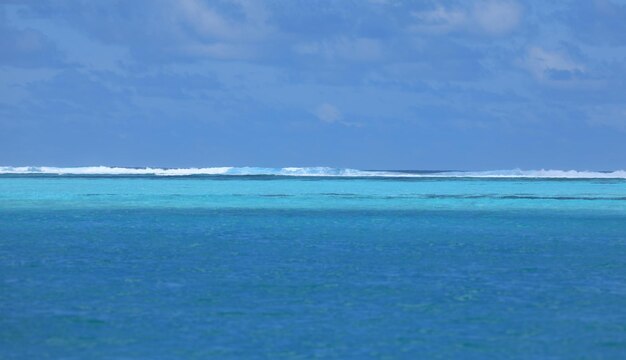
[378,84]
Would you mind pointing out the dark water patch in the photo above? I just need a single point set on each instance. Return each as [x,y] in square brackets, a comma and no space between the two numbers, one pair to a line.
[476,196]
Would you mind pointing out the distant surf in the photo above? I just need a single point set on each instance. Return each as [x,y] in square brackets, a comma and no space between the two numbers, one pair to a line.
[309,171]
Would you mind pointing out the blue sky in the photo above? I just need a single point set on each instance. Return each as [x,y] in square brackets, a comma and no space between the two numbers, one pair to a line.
[485,84]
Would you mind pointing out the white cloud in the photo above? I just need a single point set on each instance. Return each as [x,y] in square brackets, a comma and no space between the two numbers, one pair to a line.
[497,17]
[207,21]
[439,20]
[492,17]
[328,113]
[541,63]
[205,31]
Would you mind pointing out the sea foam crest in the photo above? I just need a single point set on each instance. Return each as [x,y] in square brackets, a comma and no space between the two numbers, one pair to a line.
[105,170]
[539,174]
[309,171]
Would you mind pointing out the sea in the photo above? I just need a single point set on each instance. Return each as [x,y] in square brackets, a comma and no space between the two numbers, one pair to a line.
[311,263]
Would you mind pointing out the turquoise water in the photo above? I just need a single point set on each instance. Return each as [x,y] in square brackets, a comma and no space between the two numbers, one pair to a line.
[275,267]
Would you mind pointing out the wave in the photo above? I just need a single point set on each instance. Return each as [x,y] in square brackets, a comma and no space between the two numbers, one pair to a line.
[539,174]
[232,171]
[310,171]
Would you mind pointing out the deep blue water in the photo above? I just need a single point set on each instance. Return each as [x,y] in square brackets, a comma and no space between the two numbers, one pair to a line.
[280,267]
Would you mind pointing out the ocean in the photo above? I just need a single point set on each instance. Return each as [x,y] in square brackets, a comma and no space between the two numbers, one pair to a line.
[302,263]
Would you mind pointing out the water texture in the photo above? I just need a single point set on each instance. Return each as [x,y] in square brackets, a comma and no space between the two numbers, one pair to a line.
[294,267]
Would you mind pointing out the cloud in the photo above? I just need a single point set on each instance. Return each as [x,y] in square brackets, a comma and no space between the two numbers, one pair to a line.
[206,21]
[551,65]
[497,17]
[168,31]
[343,48]
[166,85]
[439,20]
[328,113]
[492,17]
[27,48]
[205,31]
[212,24]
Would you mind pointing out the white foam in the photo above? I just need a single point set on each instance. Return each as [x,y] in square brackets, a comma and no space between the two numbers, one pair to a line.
[105,170]
[540,174]
[308,171]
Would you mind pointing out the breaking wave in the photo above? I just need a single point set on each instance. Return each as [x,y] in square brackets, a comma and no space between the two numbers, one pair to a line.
[309,171]
[540,174]
[249,171]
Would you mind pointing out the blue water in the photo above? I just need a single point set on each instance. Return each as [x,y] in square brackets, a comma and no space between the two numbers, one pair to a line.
[278,267]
